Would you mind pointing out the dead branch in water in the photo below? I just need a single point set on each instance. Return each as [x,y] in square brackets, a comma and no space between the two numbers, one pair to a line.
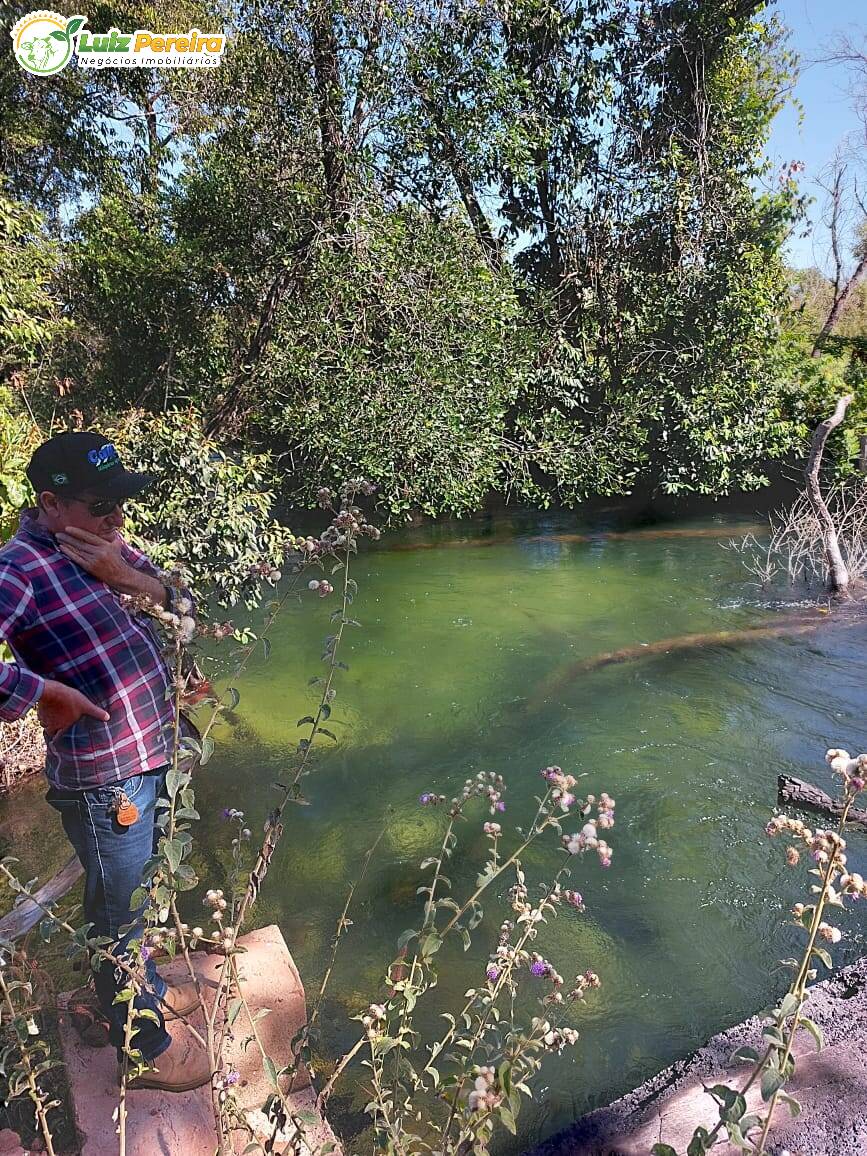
[794,792]
[838,574]
[680,644]
[795,547]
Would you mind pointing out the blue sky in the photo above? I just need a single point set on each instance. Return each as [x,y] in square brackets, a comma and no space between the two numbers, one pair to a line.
[828,114]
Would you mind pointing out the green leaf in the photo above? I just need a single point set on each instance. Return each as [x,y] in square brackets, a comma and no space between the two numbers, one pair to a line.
[794,1106]
[814,1030]
[789,1005]
[508,1119]
[234,1009]
[700,1142]
[772,1081]
[173,851]
[234,698]
[59,36]
[271,1072]
[174,781]
[430,945]
[306,721]
[824,956]
[663,1150]
[207,749]
[74,25]
[742,1055]
[737,1137]
[266,648]
[328,734]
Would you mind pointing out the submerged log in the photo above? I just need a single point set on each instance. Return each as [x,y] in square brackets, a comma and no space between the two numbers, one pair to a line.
[26,914]
[794,792]
[599,536]
[655,533]
[680,644]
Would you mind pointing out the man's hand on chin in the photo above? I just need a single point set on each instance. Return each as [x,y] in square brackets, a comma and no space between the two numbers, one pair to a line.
[99,556]
[102,558]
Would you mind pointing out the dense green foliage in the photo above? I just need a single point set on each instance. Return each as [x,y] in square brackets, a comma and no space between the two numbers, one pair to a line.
[528,248]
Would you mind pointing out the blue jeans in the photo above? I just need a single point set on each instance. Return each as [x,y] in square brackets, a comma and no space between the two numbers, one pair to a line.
[114,858]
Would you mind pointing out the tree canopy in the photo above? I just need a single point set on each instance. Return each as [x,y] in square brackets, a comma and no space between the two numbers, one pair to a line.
[529,247]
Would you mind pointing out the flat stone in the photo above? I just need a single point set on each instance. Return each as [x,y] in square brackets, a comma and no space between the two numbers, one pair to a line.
[829,1085]
[166,1124]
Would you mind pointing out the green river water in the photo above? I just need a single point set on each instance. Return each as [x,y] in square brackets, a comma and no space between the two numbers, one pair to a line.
[469,659]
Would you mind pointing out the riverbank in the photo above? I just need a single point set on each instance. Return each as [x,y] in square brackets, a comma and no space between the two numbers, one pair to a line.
[22,750]
[829,1085]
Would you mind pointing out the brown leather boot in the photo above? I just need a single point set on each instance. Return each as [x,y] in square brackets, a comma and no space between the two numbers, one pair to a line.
[180,1000]
[182,1067]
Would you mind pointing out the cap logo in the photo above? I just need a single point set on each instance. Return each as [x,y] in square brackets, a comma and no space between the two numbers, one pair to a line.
[60,479]
[104,458]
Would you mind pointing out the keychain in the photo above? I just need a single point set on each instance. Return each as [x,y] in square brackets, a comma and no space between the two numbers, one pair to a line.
[125,812]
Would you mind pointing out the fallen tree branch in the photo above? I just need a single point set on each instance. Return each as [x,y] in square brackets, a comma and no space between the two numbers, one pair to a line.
[794,792]
[27,914]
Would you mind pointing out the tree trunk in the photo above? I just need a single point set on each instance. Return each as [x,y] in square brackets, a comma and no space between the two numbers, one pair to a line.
[839,305]
[289,276]
[329,100]
[462,177]
[837,571]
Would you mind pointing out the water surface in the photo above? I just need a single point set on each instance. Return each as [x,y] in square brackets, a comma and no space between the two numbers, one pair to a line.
[469,658]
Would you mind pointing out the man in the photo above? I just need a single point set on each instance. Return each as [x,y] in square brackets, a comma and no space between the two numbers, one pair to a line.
[95,672]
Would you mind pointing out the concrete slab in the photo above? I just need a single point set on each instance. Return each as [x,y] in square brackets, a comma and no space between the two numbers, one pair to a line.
[161,1124]
[830,1085]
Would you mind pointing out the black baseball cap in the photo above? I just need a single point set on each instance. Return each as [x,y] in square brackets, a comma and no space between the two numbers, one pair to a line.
[70,464]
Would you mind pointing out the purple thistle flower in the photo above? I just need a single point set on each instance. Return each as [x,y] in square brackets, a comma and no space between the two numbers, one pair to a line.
[146,953]
[538,968]
[227,812]
[492,972]
[427,798]
[501,806]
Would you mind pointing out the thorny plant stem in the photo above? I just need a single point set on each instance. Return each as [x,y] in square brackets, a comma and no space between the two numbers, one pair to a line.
[214,1049]
[428,923]
[35,1094]
[268,845]
[345,1060]
[342,924]
[124,1075]
[535,832]
[483,1021]
[798,988]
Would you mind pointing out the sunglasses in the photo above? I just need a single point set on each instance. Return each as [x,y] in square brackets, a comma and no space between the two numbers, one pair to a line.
[102,507]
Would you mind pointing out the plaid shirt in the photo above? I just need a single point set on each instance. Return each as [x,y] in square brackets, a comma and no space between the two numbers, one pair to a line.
[62,623]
